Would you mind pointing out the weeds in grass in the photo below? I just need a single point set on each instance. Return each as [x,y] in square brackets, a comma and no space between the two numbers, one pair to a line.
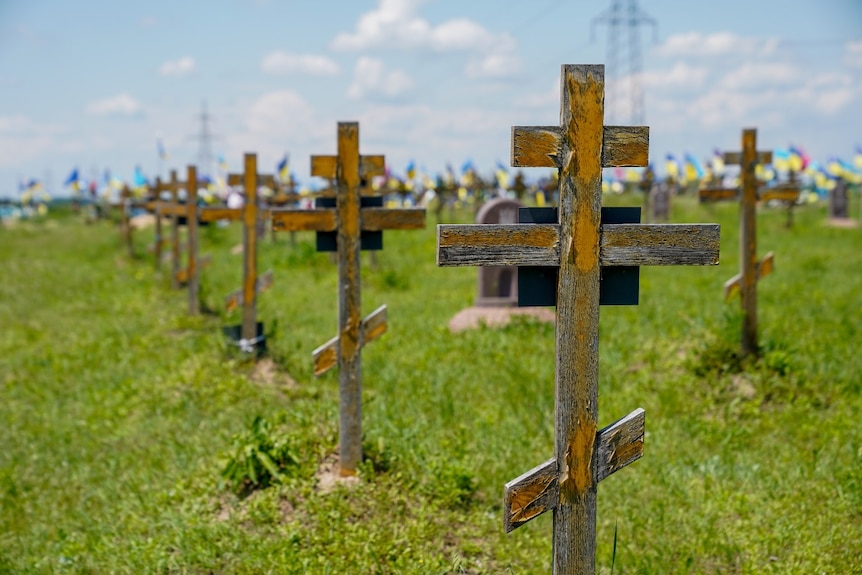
[259,458]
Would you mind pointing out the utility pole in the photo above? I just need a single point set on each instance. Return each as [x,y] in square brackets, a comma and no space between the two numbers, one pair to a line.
[205,138]
[624,13]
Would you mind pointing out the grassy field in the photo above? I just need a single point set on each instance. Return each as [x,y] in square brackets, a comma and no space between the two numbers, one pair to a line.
[119,413]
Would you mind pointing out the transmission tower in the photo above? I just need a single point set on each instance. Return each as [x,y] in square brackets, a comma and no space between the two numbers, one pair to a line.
[205,138]
[624,13]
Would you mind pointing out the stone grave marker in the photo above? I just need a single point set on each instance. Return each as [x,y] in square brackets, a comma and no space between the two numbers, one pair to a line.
[498,285]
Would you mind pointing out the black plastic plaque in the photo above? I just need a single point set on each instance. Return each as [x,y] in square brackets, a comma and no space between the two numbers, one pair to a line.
[537,285]
[328,241]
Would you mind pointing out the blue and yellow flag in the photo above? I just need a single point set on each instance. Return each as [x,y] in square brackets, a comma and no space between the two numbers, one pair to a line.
[283,169]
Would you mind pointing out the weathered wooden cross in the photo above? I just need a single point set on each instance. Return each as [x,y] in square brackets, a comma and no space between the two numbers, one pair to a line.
[153,205]
[174,210]
[190,274]
[251,337]
[126,220]
[581,247]
[751,269]
[353,224]
[786,192]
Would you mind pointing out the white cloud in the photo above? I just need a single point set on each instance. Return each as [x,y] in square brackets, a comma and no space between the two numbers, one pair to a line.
[395,25]
[853,54]
[681,75]
[498,65]
[119,105]
[23,140]
[282,111]
[370,77]
[756,74]
[717,44]
[177,68]
[285,63]
[542,99]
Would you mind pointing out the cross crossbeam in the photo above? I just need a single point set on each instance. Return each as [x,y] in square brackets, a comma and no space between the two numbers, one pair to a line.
[348,220]
[579,246]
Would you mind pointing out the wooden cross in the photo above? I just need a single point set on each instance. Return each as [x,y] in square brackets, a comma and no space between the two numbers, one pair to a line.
[174,210]
[751,269]
[190,274]
[581,247]
[126,220]
[153,206]
[251,334]
[354,226]
[786,193]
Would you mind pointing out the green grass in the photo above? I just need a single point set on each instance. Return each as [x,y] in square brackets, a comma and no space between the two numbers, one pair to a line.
[119,414]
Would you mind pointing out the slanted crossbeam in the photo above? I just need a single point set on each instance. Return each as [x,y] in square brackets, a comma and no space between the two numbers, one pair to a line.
[251,215]
[751,269]
[349,220]
[580,246]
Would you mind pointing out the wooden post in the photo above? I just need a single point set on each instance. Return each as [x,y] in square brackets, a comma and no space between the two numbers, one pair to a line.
[252,284]
[351,222]
[579,245]
[192,240]
[746,280]
[158,242]
[175,232]
[126,220]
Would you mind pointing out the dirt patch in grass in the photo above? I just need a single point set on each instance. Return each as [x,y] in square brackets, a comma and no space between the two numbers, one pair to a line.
[475,317]
[328,475]
[267,372]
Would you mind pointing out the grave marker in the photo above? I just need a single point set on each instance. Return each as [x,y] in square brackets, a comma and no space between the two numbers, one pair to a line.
[173,209]
[838,200]
[661,202]
[153,205]
[581,247]
[751,269]
[190,274]
[354,225]
[250,338]
[498,285]
[126,220]
[786,193]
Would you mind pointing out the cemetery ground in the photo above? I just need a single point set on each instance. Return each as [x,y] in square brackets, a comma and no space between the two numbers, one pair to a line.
[120,414]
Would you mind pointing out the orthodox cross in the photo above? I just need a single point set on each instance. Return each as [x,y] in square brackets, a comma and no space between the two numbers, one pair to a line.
[190,274]
[251,332]
[751,270]
[581,247]
[352,223]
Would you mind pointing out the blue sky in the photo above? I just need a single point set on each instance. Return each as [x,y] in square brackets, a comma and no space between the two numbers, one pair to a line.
[93,84]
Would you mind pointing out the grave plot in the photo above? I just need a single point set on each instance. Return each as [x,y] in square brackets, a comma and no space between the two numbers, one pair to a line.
[249,335]
[345,224]
[582,248]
